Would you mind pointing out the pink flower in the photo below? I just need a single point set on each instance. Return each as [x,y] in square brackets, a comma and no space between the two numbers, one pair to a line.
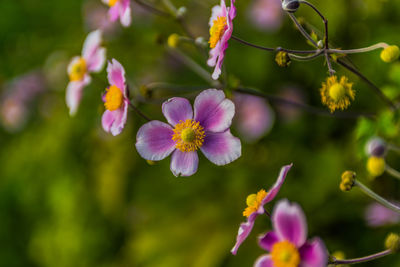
[119,9]
[378,215]
[221,27]
[207,129]
[115,99]
[92,60]
[255,203]
[266,14]
[254,116]
[287,244]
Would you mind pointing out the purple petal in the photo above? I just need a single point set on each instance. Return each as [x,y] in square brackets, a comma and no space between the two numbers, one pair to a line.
[107,120]
[243,233]
[313,254]
[154,140]
[264,261]
[221,148]
[116,74]
[125,13]
[267,240]
[277,186]
[119,119]
[113,12]
[289,222]
[184,163]
[213,110]
[91,45]
[74,94]
[177,109]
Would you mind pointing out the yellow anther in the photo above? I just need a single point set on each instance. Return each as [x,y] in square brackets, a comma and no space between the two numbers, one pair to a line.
[285,254]
[390,53]
[114,98]
[216,31]
[188,135]
[78,70]
[376,166]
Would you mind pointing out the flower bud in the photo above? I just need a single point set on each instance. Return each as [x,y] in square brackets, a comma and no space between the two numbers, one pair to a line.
[290,5]
[181,12]
[282,59]
[200,41]
[348,179]
[173,40]
[376,147]
[390,53]
[376,166]
[392,242]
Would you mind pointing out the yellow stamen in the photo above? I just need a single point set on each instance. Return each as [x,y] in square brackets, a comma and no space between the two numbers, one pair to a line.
[285,254]
[114,98]
[112,2]
[78,70]
[337,94]
[254,202]
[188,135]
[376,166]
[216,31]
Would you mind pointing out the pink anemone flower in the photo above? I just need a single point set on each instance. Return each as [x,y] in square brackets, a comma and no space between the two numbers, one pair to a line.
[221,27]
[92,60]
[119,9]
[288,244]
[206,128]
[115,99]
[255,207]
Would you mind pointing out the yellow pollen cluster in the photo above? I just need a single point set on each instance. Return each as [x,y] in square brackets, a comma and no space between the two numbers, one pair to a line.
[376,166]
[337,94]
[216,31]
[114,98]
[188,135]
[253,202]
[78,70]
[112,2]
[285,254]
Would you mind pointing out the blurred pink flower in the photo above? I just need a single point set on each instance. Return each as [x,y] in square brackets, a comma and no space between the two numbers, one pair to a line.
[266,14]
[13,114]
[377,215]
[288,112]
[119,9]
[96,18]
[254,117]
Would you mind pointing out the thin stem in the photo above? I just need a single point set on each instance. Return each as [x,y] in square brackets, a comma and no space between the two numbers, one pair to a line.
[367,81]
[139,112]
[393,147]
[152,9]
[171,8]
[392,172]
[328,62]
[306,58]
[362,259]
[377,197]
[302,30]
[359,50]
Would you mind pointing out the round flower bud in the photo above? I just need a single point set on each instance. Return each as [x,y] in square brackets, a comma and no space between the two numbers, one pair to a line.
[376,166]
[290,5]
[390,53]
[348,179]
[282,59]
[376,147]
[392,242]
[173,40]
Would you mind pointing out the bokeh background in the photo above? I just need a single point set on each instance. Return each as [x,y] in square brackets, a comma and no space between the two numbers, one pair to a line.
[73,195]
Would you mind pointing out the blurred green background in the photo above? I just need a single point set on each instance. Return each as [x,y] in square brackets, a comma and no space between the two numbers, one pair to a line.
[72,195]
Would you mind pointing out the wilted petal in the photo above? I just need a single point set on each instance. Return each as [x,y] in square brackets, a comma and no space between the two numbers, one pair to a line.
[290,223]
[313,254]
[277,186]
[184,163]
[267,240]
[213,110]
[264,261]
[177,109]
[244,231]
[116,74]
[221,148]
[154,140]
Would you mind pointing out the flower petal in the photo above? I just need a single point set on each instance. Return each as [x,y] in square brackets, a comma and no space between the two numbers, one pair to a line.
[116,74]
[91,45]
[184,163]
[107,120]
[221,148]
[264,261]
[120,116]
[289,222]
[313,254]
[74,94]
[125,13]
[177,109]
[267,240]
[213,110]
[275,188]
[244,231]
[154,140]
[97,61]
[113,12]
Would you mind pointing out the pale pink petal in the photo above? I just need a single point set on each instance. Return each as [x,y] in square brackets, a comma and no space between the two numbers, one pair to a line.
[378,215]
[221,148]
[107,120]
[313,254]
[184,163]
[264,261]
[244,231]
[116,74]
[97,61]
[91,45]
[213,110]
[289,222]
[177,109]
[277,186]
[113,12]
[120,116]
[267,240]
[216,11]
[214,52]
[154,140]
[125,13]
[74,94]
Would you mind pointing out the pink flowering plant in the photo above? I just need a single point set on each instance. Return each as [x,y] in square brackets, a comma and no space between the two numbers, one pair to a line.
[119,9]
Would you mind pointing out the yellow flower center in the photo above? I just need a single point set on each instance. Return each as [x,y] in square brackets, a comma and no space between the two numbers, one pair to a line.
[253,202]
[216,31]
[114,98]
[78,70]
[188,135]
[337,92]
[285,254]
[112,2]
[376,166]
